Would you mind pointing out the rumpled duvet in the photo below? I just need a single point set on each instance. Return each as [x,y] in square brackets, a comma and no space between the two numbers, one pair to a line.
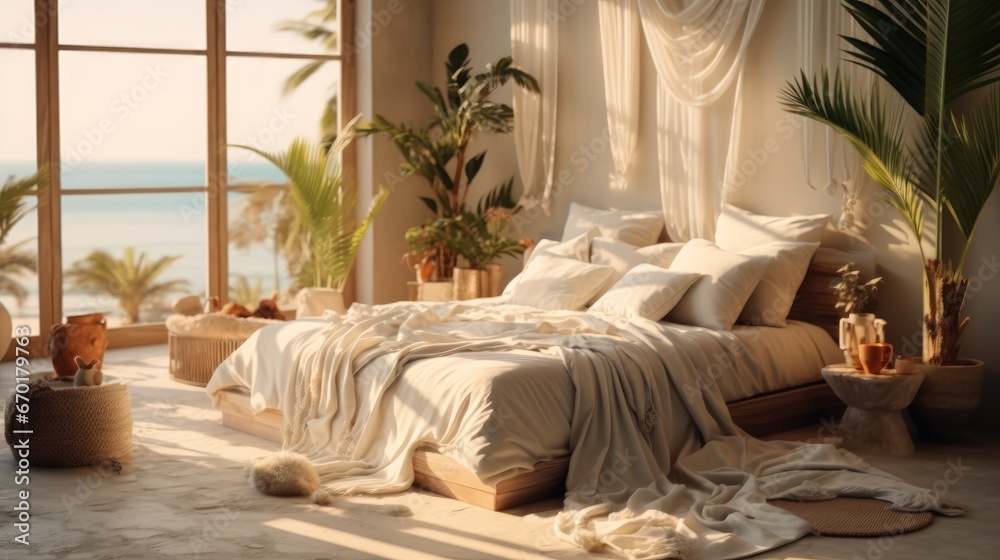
[658,469]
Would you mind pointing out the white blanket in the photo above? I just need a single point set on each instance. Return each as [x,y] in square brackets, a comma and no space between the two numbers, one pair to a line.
[658,468]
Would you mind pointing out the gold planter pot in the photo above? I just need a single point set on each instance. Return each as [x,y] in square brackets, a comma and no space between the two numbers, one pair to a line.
[470,283]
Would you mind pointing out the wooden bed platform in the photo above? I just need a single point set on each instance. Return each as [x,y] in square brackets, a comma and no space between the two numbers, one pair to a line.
[760,415]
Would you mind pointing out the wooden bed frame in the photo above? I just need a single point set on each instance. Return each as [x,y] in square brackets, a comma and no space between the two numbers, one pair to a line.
[761,415]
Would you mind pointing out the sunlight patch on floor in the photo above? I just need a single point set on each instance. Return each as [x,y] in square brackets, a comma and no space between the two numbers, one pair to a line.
[344,539]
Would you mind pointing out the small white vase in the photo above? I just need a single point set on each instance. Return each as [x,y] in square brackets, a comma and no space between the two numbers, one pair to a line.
[857,329]
[6,330]
[312,302]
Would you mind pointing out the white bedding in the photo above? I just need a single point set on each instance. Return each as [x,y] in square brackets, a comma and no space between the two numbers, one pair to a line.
[516,405]
[651,438]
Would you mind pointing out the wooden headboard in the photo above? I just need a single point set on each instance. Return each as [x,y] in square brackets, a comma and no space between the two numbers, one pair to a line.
[814,302]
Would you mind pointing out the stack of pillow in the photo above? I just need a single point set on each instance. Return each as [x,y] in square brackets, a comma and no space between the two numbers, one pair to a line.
[610,261]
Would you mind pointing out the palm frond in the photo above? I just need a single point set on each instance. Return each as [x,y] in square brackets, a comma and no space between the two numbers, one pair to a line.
[301,75]
[876,132]
[971,162]
[13,206]
[325,205]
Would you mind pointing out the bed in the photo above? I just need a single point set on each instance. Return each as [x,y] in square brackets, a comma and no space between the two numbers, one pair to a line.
[633,420]
[512,444]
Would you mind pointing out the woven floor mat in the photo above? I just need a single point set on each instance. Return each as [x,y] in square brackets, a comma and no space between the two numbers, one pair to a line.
[855,517]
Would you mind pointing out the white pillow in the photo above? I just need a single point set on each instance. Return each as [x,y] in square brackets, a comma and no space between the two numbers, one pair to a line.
[661,254]
[623,257]
[576,248]
[772,298]
[554,282]
[717,298]
[739,229]
[638,228]
[647,291]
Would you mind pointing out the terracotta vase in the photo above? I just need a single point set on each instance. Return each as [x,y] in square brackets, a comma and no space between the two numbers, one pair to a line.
[81,335]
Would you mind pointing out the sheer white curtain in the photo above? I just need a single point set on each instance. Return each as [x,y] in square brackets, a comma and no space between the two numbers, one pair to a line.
[535,49]
[620,36]
[820,30]
[698,48]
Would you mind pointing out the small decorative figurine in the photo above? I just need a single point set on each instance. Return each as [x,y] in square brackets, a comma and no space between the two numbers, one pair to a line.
[88,374]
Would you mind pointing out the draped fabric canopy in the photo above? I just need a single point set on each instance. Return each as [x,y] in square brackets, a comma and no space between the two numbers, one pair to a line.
[698,48]
[534,37]
[620,34]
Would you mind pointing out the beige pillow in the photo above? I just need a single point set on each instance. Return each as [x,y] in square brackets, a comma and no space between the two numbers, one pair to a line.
[772,298]
[739,229]
[638,228]
[646,291]
[716,299]
[576,248]
[554,282]
[623,257]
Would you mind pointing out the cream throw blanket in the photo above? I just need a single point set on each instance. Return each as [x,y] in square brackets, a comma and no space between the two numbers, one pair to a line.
[659,469]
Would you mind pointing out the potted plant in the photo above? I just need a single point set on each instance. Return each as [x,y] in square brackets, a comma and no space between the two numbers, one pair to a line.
[15,259]
[326,206]
[478,239]
[438,153]
[931,53]
[858,301]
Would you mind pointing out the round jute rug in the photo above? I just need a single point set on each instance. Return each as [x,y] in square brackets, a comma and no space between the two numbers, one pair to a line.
[855,517]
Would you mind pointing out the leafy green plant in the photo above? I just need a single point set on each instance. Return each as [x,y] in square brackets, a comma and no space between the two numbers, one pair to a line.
[479,237]
[852,295]
[16,259]
[326,205]
[438,151]
[931,53]
[131,280]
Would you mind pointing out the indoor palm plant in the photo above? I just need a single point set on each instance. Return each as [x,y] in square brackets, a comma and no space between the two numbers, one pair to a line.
[438,153]
[932,53]
[326,205]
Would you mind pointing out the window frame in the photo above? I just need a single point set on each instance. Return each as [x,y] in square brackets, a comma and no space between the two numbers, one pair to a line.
[216,189]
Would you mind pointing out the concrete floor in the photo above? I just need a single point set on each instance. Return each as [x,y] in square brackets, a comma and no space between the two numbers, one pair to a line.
[184,495]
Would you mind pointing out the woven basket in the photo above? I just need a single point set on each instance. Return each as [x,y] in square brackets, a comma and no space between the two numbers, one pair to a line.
[72,426]
[193,359]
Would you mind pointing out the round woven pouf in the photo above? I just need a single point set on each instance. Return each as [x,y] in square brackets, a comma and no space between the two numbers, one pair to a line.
[71,426]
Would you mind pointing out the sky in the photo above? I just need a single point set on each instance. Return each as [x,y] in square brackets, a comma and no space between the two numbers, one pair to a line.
[152,107]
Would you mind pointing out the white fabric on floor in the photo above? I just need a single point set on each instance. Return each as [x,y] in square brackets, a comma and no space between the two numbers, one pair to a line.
[658,468]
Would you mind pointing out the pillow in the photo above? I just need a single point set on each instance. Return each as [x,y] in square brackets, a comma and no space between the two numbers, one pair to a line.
[772,299]
[576,248]
[638,228]
[661,254]
[716,299]
[738,229]
[554,282]
[647,291]
[623,257]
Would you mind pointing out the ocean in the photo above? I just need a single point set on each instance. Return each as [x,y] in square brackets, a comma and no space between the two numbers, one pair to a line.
[156,223]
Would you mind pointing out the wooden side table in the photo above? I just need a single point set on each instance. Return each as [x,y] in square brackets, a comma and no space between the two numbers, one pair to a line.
[873,422]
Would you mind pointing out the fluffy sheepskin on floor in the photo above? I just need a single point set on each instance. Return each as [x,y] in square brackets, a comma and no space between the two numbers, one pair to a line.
[287,474]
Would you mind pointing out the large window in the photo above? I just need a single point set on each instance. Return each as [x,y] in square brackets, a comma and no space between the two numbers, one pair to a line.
[138,109]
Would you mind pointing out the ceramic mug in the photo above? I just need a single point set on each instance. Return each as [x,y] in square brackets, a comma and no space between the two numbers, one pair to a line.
[874,357]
